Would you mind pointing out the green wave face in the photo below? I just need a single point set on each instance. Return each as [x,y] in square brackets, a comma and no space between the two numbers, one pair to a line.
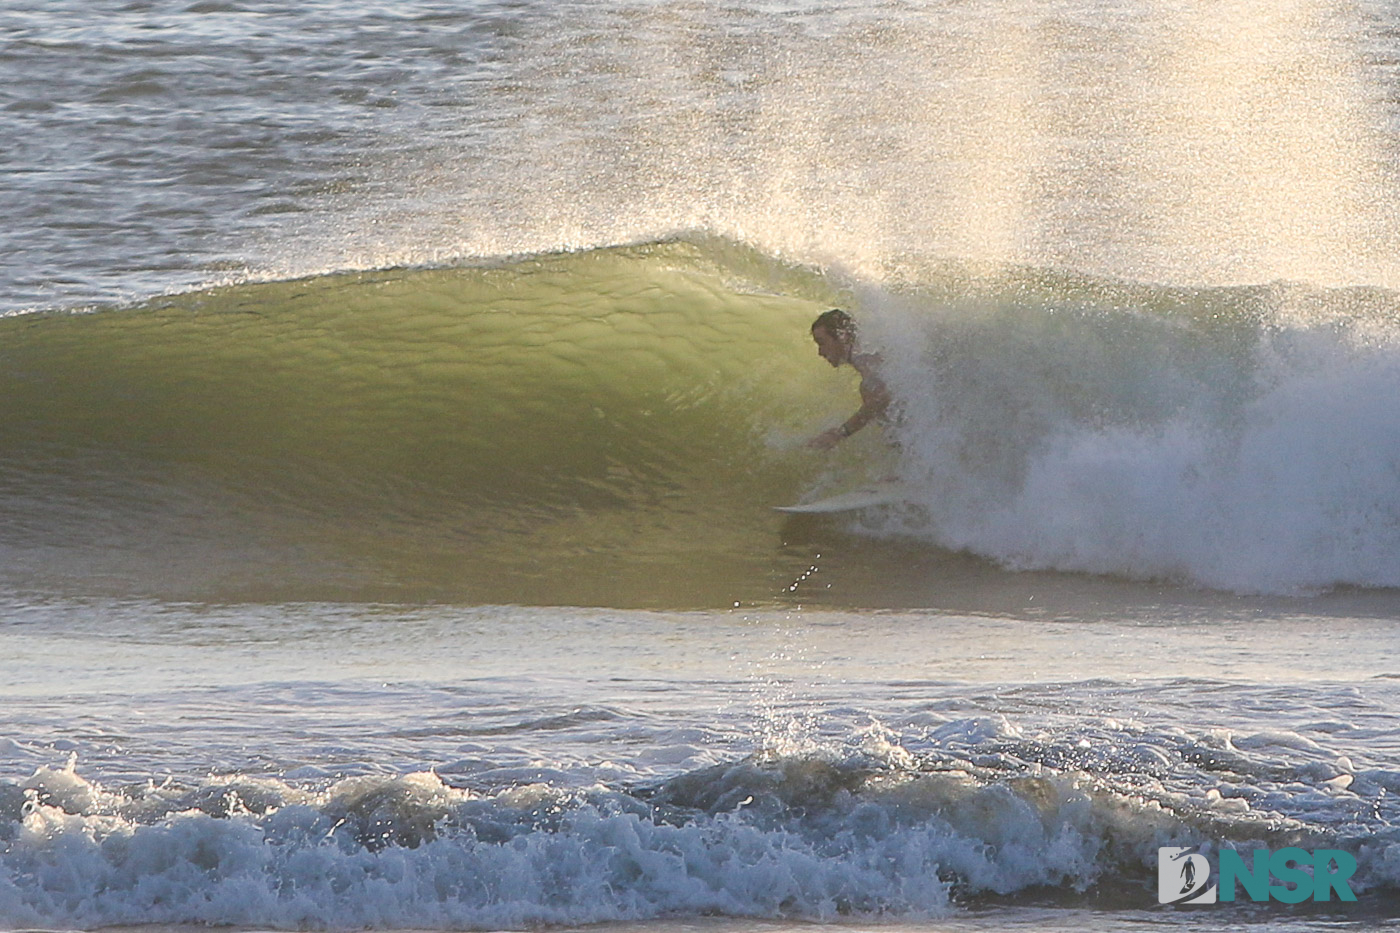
[605,427]
[612,427]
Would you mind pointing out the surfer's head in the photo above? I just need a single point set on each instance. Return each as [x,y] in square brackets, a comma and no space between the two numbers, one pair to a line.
[835,334]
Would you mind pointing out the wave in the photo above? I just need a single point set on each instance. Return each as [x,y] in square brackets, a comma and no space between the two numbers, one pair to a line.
[1236,438]
[518,432]
[821,835]
[609,427]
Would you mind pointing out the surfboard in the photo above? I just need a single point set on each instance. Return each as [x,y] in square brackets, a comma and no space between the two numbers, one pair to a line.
[887,493]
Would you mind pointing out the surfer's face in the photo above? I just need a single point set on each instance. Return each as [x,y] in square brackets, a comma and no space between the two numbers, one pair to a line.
[832,348]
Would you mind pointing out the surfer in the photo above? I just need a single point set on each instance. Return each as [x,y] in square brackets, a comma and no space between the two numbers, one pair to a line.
[835,334]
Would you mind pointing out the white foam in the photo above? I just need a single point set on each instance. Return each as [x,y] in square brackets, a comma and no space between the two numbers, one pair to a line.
[872,828]
[292,869]
[1258,459]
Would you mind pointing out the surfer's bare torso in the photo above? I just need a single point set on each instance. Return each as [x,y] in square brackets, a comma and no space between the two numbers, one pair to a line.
[834,333]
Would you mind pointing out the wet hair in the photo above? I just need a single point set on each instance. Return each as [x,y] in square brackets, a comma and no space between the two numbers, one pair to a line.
[836,322]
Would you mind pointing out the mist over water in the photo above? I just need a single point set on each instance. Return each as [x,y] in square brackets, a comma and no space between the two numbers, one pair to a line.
[1238,143]
[1235,143]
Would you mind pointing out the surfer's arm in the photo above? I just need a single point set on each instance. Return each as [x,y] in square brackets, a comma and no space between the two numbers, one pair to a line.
[828,438]
[833,436]
[875,401]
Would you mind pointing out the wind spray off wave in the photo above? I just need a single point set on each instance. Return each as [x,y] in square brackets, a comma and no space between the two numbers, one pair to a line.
[1241,143]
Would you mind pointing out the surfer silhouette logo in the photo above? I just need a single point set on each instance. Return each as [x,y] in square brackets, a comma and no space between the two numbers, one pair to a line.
[1188,876]
[1183,876]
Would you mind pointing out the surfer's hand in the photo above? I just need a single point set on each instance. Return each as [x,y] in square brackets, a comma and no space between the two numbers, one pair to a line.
[827,439]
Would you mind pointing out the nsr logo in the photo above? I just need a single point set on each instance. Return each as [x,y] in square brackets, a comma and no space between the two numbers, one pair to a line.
[1183,875]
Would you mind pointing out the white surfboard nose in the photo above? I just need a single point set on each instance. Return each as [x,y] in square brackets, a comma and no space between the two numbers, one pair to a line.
[886,493]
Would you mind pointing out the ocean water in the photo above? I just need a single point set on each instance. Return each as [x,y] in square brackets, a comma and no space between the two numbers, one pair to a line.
[393,396]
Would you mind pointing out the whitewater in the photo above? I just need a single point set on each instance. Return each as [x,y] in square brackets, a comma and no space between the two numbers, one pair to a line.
[394,397]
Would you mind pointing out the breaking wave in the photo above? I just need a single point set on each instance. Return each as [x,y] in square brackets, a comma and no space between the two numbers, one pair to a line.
[609,427]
